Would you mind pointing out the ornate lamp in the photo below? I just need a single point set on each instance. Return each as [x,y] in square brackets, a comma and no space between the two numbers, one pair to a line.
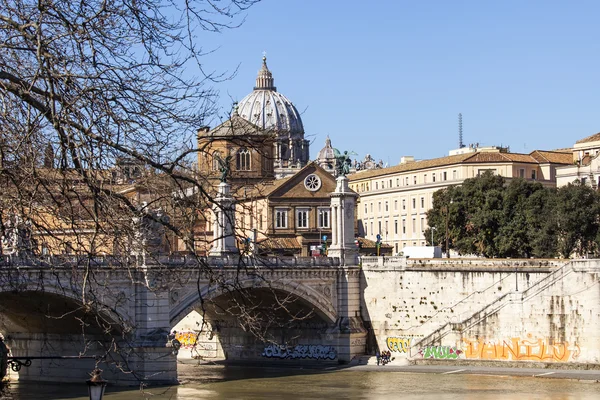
[96,385]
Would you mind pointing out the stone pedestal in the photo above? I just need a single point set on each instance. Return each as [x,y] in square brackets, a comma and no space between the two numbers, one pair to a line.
[343,204]
[224,223]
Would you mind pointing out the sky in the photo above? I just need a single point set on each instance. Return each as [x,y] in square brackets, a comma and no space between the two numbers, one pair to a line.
[389,78]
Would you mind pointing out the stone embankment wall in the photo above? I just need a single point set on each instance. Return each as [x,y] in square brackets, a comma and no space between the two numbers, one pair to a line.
[479,309]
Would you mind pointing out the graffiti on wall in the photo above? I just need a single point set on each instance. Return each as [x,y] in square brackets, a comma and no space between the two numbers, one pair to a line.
[440,352]
[518,349]
[318,352]
[186,338]
[401,345]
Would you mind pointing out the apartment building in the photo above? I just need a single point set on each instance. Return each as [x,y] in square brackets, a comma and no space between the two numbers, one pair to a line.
[394,201]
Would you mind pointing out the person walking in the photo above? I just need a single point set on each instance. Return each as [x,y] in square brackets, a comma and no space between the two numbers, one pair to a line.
[377,355]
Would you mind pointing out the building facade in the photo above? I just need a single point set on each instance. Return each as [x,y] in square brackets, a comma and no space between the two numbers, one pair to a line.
[394,201]
[585,166]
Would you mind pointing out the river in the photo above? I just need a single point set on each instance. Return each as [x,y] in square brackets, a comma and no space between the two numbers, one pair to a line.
[244,382]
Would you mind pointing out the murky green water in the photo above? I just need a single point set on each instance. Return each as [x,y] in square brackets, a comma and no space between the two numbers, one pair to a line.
[218,382]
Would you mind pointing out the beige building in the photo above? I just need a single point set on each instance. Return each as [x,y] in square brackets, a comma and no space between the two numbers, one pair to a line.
[585,165]
[290,216]
[394,201]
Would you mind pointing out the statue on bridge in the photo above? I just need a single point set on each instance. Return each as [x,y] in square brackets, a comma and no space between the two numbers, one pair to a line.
[149,231]
[17,236]
[342,162]
[224,167]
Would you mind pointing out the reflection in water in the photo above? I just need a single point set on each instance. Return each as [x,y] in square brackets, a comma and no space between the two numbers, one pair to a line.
[219,382]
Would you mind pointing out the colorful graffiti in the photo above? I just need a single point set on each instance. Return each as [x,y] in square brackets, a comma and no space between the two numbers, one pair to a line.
[518,349]
[186,338]
[440,352]
[318,351]
[401,345]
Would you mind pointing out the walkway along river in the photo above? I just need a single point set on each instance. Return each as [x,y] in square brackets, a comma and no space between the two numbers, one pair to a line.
[362,382]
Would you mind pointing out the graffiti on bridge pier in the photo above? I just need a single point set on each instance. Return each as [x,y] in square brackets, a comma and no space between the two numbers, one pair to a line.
[319,352]
[440,352]
[518,349]
[401,345]
[186,338]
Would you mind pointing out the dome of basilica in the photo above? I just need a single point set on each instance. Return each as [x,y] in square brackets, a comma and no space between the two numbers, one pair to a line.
[269,109]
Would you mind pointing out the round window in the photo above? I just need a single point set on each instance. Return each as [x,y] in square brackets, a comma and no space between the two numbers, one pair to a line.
[312,182]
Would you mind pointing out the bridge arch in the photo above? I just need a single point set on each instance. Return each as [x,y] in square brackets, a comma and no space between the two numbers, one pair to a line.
[321,304]
[22,299]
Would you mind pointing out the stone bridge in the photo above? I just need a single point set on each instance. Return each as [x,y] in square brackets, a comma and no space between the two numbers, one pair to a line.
[122,310]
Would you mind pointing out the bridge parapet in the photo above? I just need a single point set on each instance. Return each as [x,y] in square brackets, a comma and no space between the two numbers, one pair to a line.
[165,261]
[479,264]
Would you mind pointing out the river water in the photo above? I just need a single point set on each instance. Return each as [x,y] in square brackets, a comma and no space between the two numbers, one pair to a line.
[244,382]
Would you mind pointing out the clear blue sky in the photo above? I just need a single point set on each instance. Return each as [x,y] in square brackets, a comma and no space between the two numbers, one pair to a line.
[390,77]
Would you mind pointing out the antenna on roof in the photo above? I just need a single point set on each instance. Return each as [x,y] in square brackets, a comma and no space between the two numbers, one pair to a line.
[460,136]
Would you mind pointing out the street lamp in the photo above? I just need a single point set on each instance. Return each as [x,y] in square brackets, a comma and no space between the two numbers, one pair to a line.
[96,385]
[433,228]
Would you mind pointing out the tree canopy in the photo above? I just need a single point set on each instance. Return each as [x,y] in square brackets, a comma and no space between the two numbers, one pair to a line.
[492,217]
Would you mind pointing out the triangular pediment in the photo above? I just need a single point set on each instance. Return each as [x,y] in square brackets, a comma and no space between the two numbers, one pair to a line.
[320,184]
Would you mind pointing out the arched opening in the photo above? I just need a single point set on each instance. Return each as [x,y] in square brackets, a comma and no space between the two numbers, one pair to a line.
[54,329]
[256,324]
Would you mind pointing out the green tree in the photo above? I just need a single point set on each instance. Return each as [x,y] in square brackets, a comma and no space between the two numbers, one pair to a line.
[513,236]
[576,212]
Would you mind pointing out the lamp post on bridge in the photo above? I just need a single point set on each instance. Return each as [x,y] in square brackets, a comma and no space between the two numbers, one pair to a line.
[96,385]
[433,228]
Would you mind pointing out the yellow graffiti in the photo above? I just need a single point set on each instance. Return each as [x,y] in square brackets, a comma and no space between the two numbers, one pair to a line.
[187,339]
[398,344]
[528,349]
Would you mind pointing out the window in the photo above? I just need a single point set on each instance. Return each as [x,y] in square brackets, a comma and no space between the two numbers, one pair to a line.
[395,205]
[376,185]
[396,247]
[424,178]
[422,202]
[522,173]
[422,225]
[454,174]
[414,225]
[404,204]
[397,182]
[483,171]
[583,181]
[444,176]
[386,206]
[281,217]
[414,201]
[379,206]
[390,183]
[383,184]
[365,209]
[371,228]
[324,214]
[312,182]
[243,159]
[407,181]
[395,227]
[371,207]
[302,218]
[403,226]
[379,226]
[366,233]
[533,174]
[386,228]
[433,177]
[215,160]
[415,179]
